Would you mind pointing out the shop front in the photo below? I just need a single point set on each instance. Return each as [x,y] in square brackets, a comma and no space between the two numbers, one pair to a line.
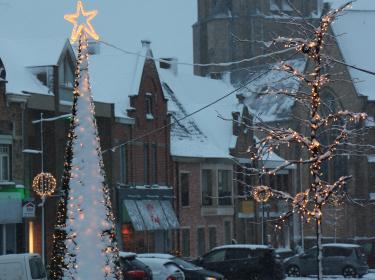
[10,221]
[148,221]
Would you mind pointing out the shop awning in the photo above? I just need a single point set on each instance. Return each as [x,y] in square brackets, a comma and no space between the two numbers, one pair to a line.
[150,214]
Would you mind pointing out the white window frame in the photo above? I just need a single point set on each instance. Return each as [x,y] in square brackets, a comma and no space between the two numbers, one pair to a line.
[3,155]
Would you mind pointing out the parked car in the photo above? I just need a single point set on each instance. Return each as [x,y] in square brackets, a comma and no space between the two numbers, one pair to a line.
[243,262]
[163,269]
[191,271]
[22,267]
[338,259]
[368,246]
[134,269]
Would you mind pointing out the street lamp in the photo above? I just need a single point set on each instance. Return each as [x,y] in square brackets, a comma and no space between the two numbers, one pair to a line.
[44,184]
[261,195]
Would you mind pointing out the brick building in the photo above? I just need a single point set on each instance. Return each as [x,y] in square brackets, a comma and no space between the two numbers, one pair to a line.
[231,30]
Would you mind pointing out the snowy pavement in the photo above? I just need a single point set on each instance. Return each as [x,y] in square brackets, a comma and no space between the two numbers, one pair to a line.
[369,276]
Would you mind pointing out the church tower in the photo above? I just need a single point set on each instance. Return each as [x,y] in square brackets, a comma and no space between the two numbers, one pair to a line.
[233,30]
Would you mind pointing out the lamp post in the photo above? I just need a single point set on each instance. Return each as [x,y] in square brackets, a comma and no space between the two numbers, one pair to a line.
[44,184]
[261,195]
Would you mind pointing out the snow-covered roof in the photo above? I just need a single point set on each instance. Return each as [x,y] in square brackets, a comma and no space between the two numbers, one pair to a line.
[115,76]
[20,79]
[272,107]
[354,31]
[156,255]
[127,254]
[245,246]
[205,134]
[341,245]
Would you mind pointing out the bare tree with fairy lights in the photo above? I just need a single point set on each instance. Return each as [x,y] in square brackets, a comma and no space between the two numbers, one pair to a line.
[343,128]
[84,238]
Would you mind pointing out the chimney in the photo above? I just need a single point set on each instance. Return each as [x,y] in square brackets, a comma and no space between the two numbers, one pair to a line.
[146,43]
[170,63]
[94,47]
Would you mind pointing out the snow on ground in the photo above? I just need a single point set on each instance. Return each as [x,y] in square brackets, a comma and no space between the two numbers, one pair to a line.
[369,276]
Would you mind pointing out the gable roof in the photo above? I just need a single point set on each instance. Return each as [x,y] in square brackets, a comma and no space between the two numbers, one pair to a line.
[115,76]
[19,79]
[205,134]
[272,107]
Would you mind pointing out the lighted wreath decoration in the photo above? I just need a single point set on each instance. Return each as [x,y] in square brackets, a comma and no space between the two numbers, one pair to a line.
[44,184]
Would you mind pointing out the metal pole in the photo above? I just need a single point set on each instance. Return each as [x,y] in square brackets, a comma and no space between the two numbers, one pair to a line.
[43,197]
[41,140]
[43,231]
[262,203]
[302,221]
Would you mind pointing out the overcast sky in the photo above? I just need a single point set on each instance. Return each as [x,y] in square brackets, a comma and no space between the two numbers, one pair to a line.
[167,23]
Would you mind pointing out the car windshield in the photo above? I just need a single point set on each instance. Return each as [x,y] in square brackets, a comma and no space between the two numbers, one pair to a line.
[185,265]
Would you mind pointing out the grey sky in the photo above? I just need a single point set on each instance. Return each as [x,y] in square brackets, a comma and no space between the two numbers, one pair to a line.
[167,23]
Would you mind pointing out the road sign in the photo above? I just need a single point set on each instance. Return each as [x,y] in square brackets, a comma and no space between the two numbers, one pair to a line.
[28,210]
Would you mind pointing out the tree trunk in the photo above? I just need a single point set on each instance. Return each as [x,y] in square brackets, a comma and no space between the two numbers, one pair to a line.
[319,248]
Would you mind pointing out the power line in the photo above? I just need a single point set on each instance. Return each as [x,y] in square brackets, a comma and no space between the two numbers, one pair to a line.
[221,64]
[114,148]
[231,63]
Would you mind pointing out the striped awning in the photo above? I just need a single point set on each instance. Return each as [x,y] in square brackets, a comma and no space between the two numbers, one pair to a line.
[150,214]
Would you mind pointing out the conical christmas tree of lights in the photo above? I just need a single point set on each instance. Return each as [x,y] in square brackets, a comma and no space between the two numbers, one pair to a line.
[88,250]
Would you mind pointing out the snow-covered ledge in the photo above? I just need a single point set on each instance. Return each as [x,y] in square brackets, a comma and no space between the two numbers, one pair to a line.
[17,98]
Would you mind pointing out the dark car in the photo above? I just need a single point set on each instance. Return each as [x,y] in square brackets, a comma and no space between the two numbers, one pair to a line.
[134,269]
[243,262]
[338,259]
[191,271]
[284,253]
[368,246]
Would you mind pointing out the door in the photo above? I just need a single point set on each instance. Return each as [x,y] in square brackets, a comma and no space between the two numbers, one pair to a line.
[308,261]
[240,263]
[215,261]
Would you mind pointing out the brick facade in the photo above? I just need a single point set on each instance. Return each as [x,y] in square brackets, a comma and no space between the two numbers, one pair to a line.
[256,21]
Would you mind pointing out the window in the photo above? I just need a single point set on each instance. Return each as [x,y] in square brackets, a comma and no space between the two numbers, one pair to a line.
[154,163]
[37,268]
[8,239]
[123,164]
[225,187]
[207,182]
[146,163]
[216,256]
[66,76]
[227,232]
[211,237]
[185,248]
[4,162]
[201,241]
[336,251]
[149,106]
[237,254]
[184,179]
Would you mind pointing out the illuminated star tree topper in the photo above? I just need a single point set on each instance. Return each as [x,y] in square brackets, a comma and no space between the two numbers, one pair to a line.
[78,27]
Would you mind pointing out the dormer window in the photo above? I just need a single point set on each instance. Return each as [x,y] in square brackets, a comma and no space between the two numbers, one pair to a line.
[66,74]
[149,106]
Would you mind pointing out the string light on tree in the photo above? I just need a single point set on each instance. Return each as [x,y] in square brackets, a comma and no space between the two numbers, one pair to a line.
[44,184]
[261,193]
[84,238]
